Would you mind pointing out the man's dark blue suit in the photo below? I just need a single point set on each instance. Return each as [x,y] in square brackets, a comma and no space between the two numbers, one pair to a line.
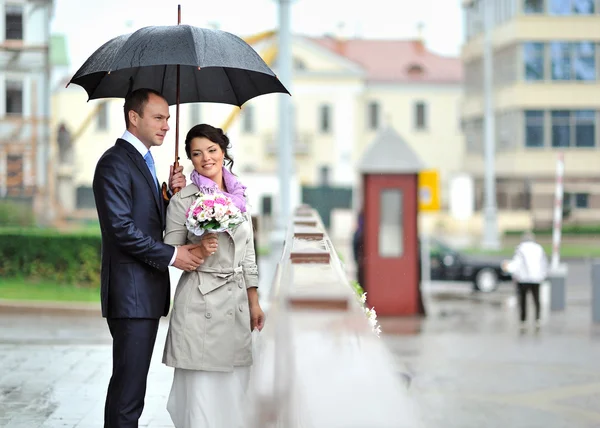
[135,287]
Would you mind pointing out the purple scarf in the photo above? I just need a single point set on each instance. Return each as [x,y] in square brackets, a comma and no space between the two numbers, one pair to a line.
[235,189]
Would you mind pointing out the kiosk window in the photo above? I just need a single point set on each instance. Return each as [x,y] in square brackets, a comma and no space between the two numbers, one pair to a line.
[391,233]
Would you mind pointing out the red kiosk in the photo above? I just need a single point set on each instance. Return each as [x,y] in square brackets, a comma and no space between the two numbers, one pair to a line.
[389,169]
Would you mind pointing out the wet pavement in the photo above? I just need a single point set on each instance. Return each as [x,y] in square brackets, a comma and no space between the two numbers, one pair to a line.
[469,364]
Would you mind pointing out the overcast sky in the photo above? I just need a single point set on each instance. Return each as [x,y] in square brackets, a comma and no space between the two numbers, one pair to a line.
[87,27]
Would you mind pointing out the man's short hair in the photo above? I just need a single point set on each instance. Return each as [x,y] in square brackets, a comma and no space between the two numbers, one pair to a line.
[136,101]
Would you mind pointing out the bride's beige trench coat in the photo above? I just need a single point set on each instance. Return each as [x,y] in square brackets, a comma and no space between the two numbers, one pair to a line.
[210,322]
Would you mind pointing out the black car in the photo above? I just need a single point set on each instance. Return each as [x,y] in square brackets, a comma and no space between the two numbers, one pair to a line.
[447,264]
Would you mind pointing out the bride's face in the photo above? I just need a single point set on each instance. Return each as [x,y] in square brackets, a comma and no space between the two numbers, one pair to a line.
[207,158]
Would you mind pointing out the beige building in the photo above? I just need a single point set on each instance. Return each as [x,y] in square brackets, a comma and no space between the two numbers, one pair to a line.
[547,100]
[25,68]
[343,91]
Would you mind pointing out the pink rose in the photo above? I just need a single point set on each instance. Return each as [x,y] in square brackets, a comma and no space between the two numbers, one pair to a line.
[209,203]
[197,211]
[221,201]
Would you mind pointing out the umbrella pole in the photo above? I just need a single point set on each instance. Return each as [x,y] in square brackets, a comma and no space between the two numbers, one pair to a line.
[176,163]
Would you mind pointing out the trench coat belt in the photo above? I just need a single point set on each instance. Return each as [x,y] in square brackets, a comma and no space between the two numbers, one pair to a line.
[227,274]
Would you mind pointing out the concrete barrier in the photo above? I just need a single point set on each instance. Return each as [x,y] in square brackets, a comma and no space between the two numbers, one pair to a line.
[319,364]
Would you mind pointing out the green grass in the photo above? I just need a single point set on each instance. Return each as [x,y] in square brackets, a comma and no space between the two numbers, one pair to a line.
[567,250]
[19,289]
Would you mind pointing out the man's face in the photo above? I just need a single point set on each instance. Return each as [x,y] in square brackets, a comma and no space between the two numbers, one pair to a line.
[152,126]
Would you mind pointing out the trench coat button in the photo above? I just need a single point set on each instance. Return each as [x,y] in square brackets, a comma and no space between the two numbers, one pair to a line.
[247,240]
[240,285]
[208,315]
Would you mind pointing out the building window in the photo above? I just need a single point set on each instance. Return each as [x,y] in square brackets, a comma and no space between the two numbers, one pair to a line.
[14,97]
[584,61]
[102,117]
[420,115]
[561,128]
[533,6]
[534,128]
[373,113]
[571,7]
[325,118]
[533,57]
[391,231]
[576,200]
[585,128]
[573,128]
[14,22]
[582,200]
[560,53]
[248,119]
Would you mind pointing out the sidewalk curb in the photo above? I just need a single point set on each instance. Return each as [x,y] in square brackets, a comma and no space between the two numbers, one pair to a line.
[49,307]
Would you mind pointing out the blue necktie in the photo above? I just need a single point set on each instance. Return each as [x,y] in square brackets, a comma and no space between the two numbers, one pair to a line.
[150,162]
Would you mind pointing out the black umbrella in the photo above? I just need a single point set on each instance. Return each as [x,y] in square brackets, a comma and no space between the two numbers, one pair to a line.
[184,63]
[215,66]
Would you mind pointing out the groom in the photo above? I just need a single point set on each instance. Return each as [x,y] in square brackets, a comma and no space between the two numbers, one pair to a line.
[135,287]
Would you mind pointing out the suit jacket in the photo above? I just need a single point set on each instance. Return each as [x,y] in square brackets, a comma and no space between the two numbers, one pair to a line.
[134,275]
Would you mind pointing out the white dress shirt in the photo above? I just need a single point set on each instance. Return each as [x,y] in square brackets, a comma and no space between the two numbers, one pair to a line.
[140,147]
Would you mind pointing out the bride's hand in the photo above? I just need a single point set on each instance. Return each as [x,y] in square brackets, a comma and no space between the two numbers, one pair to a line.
[209,244]
[257,317]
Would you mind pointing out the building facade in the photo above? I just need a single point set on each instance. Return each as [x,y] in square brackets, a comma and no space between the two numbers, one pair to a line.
[343,92]
[24,112]
[546,86]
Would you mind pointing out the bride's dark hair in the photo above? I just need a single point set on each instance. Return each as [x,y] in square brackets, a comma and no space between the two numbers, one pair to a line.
[216,135]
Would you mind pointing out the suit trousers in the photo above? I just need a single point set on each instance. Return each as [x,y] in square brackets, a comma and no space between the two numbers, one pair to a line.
[133,343]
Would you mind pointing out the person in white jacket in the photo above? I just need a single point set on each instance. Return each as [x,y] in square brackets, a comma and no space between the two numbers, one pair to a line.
[529,268]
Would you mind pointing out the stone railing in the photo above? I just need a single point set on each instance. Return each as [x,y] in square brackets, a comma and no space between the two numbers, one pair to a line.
[319,364]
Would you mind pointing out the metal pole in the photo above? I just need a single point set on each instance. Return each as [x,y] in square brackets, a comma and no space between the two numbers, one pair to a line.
[490,232]
[285,137]
[558,209]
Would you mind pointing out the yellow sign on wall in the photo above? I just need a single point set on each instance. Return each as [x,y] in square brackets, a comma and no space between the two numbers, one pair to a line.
[429,190]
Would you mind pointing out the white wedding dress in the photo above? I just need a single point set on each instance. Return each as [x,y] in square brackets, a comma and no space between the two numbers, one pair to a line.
[203,399]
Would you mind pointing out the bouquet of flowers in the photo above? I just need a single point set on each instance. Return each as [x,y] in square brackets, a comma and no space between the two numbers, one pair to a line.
[212,212]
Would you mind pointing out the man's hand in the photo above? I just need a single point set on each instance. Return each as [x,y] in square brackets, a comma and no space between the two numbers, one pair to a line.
[208,246]
[186,259]
[176,178]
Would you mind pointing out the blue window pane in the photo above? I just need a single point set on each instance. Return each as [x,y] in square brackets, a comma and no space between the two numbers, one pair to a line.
[561,128]
[533,57]
[585,128]
[534,128]
[583,7]
[561,60]
[584,61]
[559,7]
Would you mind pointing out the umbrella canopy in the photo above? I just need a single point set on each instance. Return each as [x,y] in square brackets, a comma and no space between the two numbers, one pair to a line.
[215,66]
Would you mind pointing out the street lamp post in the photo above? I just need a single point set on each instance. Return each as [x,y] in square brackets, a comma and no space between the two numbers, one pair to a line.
[490,232]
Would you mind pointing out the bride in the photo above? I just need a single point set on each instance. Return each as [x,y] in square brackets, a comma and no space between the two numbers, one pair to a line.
[216,307]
